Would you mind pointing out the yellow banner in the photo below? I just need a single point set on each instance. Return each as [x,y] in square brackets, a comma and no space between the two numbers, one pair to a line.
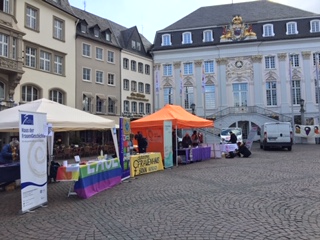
[145,163]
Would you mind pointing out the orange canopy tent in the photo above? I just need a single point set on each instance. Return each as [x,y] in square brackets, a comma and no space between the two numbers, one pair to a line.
[180,118]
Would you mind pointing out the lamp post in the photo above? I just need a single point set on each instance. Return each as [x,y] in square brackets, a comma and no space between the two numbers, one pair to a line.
[193,107]
[302,111]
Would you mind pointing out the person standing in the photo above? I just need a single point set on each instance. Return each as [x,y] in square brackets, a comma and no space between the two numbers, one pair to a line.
[195,139]
[233,137]
[9,152]
[142,142]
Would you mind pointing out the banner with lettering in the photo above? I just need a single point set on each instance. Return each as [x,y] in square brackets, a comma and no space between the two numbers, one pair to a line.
[145,163]
[33,159]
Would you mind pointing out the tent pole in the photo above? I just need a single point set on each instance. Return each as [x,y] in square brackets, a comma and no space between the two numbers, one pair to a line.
[176,139]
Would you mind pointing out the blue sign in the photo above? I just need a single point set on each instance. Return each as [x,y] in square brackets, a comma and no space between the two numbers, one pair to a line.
[26,119]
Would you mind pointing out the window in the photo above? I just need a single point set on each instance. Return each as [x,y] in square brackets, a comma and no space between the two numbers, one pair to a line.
[58,29]
[99,104]
[31,57]
[86,50]
[6,6]
[317,89]
[29,93]
[167,70]
[108,37]
[140,87]
[83,27]
[294,59]
[45,61]
[125,84]
[134,107]
[270,62]
[86,74]
[148,108]
[147,88]
[315,26]
[210,96]
[316,59]
[187,68]
[126,106]
[208,67]
[166,40]
[189,97]
[126,63]
[133,86]
[139,46]
[99,76]
[296,92]
[86,102]
[271,88]
[140,67]
[96,32]
[14,48]
[141,108]
[2,90]
[32,18]
[268,30]
[56,96]
[167,95]
[58,65]
[207,36]
[133,44]
[147,69]
[111,79]
[240,92]
[110,57]
[292,28]
[99,53]
[186,38]
[133,65]
[4,41]
[111,105]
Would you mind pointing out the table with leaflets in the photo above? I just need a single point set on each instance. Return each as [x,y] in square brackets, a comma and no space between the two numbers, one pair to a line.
[91,178]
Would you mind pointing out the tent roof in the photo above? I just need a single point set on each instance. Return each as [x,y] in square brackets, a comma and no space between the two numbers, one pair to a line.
[62,118]
[179,117]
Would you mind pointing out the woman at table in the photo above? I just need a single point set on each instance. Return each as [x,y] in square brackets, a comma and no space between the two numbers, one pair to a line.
[9,152]
[186,141]
[195,139]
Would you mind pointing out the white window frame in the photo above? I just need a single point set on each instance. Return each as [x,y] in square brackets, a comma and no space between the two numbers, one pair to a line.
[210,96]
[99,53]
[268,30]
[315,26]
[148,108]
[167,69]
[108,37]
[168,95]
[140,87]
[140,67]
[126,106]
[31,57]
[126,84]
[111,57]
[133,86]
[58,28]
[141,108]
[58,65]
[99,76]
[207,36]
[86,74]
[29,93]
[209,66]
[56,95]
[188,68]
[294,59]
[291,28]
[270,62]
[133,65]
[96,32]
[4,44]
[166,40]
[125,63]
[296,92]
[32,18]
[133,44]
[147,88]
[86,50]
[134,107]
[187,38]
[147,69]
[45,61]
[188,96]
[271,93]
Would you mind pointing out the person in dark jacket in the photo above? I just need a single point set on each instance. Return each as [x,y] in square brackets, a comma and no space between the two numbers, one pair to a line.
[243,150]
[233,138]
[9,152]
[186,141]
[142,142]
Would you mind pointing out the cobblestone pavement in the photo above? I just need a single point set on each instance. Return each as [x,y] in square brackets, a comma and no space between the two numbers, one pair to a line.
[271,195]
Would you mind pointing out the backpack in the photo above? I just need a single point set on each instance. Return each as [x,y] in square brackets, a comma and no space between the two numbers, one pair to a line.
[54,170]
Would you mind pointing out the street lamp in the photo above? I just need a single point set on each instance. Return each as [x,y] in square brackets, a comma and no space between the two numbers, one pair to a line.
[193,107]
[303,122]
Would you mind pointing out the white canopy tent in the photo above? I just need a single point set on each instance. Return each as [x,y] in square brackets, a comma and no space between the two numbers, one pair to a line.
[62,118]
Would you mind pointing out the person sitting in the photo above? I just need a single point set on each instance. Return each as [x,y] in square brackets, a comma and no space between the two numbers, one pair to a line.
[186,141]
[233,138]
[9,152]
[243,150]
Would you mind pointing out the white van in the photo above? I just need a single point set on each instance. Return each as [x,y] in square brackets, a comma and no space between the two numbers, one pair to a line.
[276,134]
[225,134]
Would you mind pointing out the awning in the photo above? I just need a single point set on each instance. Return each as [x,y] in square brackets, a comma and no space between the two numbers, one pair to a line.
[113,98]
[101,96]
[89,95]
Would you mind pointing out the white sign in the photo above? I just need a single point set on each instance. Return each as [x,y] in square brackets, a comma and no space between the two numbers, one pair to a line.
[33,160]
[251,136]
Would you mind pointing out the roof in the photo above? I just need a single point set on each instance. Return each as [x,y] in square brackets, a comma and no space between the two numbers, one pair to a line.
[62,5]
[250,11]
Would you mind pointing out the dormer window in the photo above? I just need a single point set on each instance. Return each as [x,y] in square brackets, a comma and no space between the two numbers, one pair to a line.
[139,46]
[315,26]
[108,37]
[166,40]
[268,30]
[133,44]
[83,28]
[292,28]
[207,36]
[186,38]
[96,32]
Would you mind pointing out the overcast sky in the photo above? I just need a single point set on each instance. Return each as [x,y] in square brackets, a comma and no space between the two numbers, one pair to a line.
[151,16]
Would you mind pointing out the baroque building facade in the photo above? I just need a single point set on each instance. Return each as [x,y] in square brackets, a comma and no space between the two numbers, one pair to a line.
[240,64]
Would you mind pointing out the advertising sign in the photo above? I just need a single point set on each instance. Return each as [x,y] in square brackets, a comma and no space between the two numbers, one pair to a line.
[33,159]
[167,136]
[125,130]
